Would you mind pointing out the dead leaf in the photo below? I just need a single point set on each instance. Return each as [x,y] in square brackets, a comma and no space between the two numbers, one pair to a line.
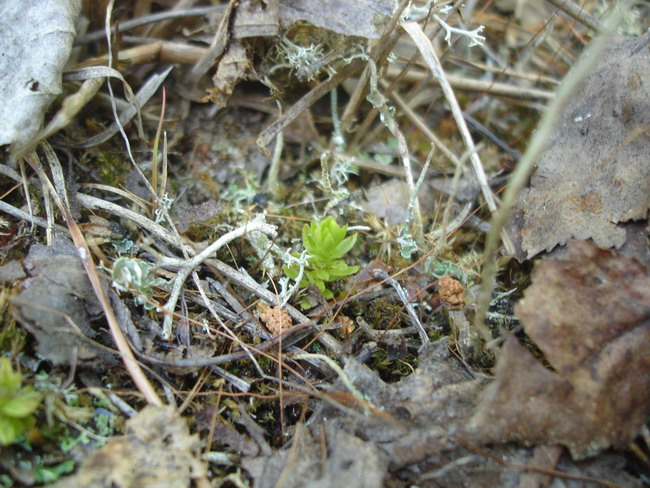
[544,457]
[157,451]
[218,45]
[36,41]
[595,173]
[359,18]
[588,313]
[349,462]
[58,288]
[389,200]
[256,18]
[12,271]
[302,459]
[233,67]
[224,434]
[186,215]
[579,304]
[414,419]
[352,462]
[412,435]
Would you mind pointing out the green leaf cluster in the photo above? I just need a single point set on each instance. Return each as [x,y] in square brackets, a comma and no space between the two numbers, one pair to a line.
[17,404]
[326,243]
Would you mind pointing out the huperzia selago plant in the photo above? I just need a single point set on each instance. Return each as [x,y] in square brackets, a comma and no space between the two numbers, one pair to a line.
[17,404]
[326,244]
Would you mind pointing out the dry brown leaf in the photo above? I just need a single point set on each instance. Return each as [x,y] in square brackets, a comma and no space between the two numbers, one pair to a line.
[350,462]
[207,418]
[580,304]
[57,304]
[158,451]
[11,271]
[595,173]
[233,67]
[545,458]
[588,312]
[359,18]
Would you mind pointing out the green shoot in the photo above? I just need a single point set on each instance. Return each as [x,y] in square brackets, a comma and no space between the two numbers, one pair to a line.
[17,404]
[326,244]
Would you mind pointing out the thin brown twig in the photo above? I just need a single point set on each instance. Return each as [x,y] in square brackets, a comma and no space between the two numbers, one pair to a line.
[291,336]
[472,84]
[268,135]
[578,13]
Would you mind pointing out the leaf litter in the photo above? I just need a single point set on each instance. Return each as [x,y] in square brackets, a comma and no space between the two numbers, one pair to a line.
[573,374]
[587,312]
[594,176]
[157,451]
[43,47]
[65,308]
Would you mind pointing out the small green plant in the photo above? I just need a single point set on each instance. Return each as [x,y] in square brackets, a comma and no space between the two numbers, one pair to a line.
[17,404]
[50,474]
[326,244]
